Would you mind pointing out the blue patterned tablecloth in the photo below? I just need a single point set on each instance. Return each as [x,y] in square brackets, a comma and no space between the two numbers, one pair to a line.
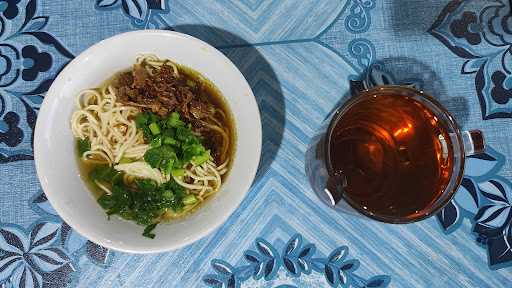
[298,56]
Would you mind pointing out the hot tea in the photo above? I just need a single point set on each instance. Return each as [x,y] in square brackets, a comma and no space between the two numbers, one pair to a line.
[394,153]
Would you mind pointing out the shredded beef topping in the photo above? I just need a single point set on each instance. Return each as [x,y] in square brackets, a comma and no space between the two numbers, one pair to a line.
[162,92]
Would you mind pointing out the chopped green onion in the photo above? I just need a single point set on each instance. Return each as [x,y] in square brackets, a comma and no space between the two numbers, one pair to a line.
[189,199]
[174,120]
[156,142]
[178,172]
[169,141]
[125,160]
[168,166]
[200,159]
[167,194]
[155,129]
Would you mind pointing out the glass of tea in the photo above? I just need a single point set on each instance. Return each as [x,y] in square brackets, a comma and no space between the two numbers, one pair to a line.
[392,153]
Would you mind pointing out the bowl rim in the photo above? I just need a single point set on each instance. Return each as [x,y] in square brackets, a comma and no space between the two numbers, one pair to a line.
[251,170]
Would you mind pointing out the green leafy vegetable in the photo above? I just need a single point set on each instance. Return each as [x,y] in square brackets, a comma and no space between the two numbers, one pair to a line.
[103,173]
[105,202]
[141,119]
[148,229]
[189,199]
[83,145]
[158,157]
[172,146]
[153,118]
[146,185]
[168,132]
[144,202]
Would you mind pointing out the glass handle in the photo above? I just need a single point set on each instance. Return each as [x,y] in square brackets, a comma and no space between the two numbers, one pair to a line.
[473,142]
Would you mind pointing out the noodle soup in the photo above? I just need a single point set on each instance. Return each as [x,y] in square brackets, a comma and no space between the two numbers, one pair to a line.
[153,142]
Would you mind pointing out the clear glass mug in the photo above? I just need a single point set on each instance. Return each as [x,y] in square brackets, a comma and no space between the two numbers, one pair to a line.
[330,185]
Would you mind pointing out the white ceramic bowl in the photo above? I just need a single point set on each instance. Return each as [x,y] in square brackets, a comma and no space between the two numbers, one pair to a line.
[54,145]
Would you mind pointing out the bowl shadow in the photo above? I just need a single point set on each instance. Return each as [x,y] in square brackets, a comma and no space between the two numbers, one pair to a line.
[413,17]
[263,81]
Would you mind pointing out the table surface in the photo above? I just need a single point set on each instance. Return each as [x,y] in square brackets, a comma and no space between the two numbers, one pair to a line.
[298,56]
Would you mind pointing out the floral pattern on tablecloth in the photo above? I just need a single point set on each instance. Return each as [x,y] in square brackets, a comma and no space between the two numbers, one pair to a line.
[482,35]
[297,259]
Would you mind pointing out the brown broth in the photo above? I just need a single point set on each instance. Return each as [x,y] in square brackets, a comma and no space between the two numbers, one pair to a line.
[395,154]
[85,167]
[217,99]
